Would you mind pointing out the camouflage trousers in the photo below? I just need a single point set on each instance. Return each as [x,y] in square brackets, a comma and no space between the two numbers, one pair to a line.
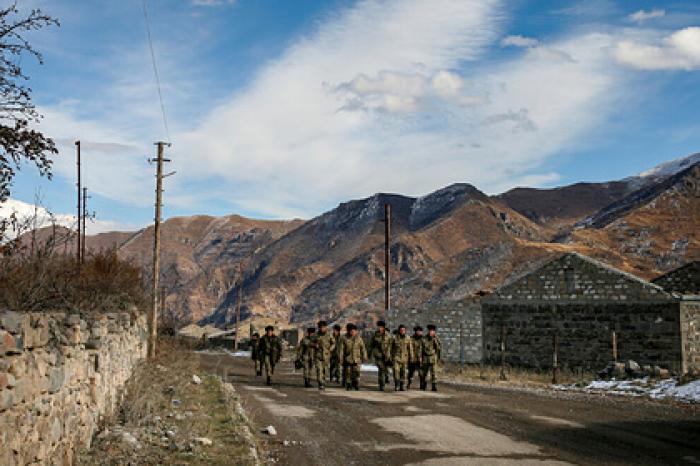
[413,368]
[322,372]
[400,371]
[335,370]
[269,365]
[352,375]
[426,369]
[258,366]
[382,371]
[308,369]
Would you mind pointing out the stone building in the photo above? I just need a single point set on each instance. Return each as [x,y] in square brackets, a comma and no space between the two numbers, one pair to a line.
[684,280]
[459,327]
[583,301]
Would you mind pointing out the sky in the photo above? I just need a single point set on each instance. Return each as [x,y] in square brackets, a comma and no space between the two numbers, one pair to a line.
[283,109]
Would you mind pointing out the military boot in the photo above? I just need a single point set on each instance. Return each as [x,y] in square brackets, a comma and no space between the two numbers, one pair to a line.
[401,388]
[434,387]
[269,380]
[307,384]
[423,385]
[356,385]
[408,385]
[381,387]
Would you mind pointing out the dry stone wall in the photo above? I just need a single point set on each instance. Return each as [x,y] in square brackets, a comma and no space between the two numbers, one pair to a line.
[690,324]
[60,375]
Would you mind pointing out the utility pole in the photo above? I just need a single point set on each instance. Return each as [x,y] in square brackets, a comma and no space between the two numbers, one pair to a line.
[80,209]
[85,215]
[387,257]
[153,318]
[239,295]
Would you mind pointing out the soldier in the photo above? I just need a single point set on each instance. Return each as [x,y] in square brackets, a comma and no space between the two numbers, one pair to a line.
[324,345]
[431,349]
[270,350]
[354,353]
[414,363]
[335,354]
[380,350]
[343,365]
[401,354]
[254,353]
[306,355]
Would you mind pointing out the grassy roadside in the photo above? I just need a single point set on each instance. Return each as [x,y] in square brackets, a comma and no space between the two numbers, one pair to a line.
[491,375]
[173,414]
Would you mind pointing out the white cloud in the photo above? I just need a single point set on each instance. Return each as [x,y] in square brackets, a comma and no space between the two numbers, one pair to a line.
[679,51]
[39,217]
[519,41]
[642,16]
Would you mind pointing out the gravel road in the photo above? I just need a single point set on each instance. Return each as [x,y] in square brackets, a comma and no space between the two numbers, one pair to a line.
[459,425]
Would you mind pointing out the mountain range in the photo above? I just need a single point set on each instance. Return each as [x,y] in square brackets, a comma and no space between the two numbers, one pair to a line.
[445,246]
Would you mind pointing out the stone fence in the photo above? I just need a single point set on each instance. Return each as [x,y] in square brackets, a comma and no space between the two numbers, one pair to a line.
[60,375]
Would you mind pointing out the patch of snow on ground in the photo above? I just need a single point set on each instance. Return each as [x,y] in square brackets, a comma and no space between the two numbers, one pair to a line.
[236,354]
[662,389]
[369,368]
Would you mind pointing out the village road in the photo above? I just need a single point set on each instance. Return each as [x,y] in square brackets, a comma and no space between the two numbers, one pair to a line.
[459,425]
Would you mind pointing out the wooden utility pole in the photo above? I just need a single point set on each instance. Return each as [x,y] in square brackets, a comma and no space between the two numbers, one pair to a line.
[85,215]
[614,346]
[239,296]
[387,257]
[78,249]
[153,318]
[555,359]
[503,375]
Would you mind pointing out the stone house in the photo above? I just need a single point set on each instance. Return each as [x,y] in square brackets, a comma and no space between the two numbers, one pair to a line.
[683,280]
[458,324]
[582,301]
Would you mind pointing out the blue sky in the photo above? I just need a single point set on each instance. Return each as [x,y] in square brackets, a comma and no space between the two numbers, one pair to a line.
[281,109]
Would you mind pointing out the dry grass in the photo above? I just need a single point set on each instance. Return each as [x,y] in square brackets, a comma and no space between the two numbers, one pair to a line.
[491,375]
[165,411]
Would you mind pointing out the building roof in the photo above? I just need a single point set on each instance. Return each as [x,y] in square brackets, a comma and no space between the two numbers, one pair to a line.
[684,279]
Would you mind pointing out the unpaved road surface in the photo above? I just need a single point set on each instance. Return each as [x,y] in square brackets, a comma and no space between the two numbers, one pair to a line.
[459,425]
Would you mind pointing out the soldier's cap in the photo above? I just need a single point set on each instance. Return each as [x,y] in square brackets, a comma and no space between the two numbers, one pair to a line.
[417,328]
[381,323]
[269,327]
[431,327]
[322,323]
[337,327]
[401,326]
[311,330]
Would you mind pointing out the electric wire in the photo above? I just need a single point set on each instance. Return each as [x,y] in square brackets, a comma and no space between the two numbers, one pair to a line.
[155,68]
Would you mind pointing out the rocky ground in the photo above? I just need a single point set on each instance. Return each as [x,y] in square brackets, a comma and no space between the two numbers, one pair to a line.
[174,414]
[461,424]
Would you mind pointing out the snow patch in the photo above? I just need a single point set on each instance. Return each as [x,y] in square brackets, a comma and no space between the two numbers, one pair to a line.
[369,368]
[662,389]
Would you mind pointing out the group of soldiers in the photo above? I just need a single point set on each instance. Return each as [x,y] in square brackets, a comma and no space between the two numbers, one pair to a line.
[338,357]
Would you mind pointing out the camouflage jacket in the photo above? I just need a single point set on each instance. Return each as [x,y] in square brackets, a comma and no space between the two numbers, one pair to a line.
[270,347]
[416,343]
[324,344]
[254,349]
[338,348]
[431,350]
[402,349]
[306,350]
[354,351]
[380,346]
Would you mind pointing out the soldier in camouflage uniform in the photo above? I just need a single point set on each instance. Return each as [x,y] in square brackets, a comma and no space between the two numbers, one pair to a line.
[431,353]
[324,345]
[306,354]
[270,350]
[353,355]
[335,355]
[401,354]
[380,350]
[414,363]
[254,353]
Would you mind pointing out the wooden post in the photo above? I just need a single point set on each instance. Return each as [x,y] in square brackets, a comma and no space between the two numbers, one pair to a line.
[555,359]
[387,257]
[503,375]
[614,346]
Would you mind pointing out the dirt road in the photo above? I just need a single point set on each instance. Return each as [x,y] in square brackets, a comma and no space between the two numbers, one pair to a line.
[459,425]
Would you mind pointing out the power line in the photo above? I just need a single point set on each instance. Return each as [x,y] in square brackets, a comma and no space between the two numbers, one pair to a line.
[155,68]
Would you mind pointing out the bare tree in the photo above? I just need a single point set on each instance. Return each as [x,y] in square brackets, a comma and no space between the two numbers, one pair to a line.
[18,141]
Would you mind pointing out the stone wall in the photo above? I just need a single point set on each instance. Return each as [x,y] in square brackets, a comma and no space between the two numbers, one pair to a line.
[458,326]
[685,280]
[690,324]
[648,333]
[59,376]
